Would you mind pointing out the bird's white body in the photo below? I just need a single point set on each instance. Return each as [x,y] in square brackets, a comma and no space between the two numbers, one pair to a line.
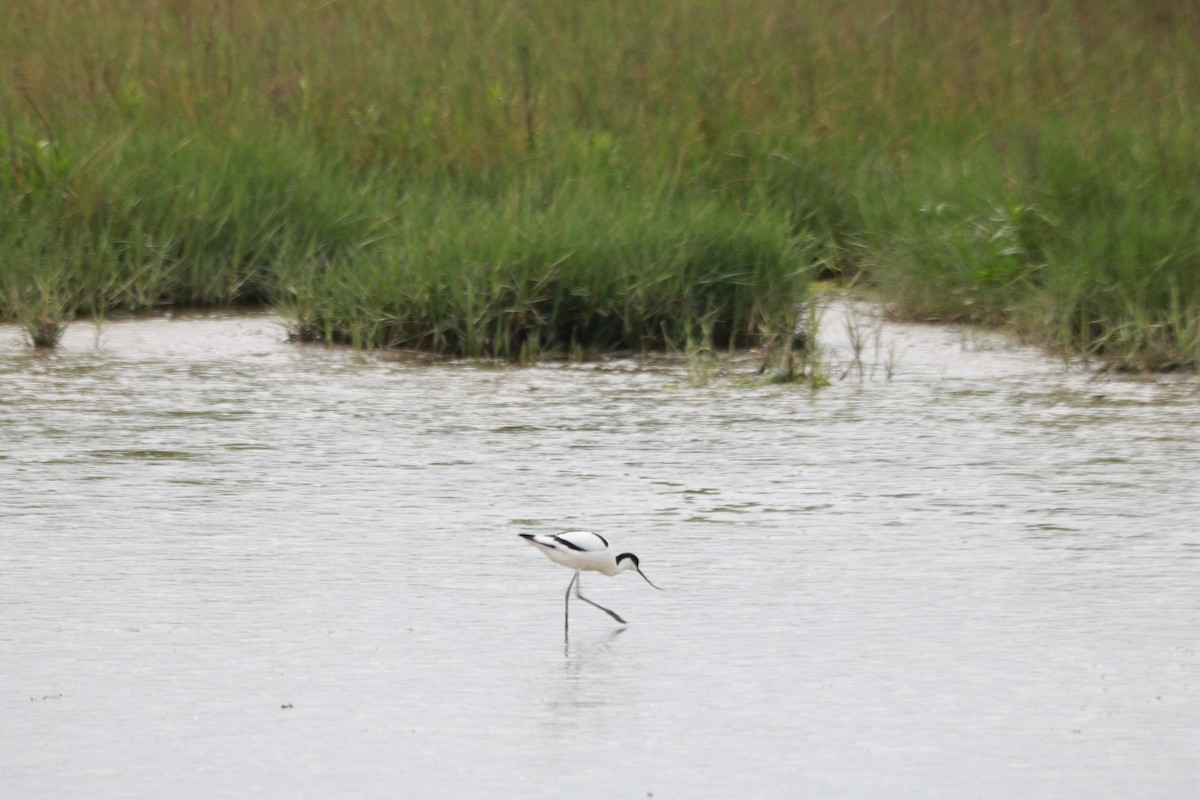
[581,550]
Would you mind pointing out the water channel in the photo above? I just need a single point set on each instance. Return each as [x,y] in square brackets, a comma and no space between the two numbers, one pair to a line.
[231,566]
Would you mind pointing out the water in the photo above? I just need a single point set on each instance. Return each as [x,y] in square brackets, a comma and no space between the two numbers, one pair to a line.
[235,567]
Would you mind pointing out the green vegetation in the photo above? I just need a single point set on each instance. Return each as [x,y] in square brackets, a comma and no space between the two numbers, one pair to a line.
[487,177]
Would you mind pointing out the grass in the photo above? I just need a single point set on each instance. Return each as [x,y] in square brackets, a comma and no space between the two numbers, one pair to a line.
[579,272]
[489,178]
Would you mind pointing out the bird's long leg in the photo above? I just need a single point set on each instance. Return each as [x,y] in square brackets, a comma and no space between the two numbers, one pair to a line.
[567,605]
[612,614]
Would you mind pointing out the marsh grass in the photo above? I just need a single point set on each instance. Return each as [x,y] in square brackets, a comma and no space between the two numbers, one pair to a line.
[482,177]
[578,273]
[39,299]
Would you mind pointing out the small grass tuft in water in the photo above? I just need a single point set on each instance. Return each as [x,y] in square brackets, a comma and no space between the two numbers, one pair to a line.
[40,302]
[45,332]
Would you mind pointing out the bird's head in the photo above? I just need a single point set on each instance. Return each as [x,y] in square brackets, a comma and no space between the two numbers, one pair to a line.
[627,561]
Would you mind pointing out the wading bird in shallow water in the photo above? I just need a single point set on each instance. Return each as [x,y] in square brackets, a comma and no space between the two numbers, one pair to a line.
[584,550]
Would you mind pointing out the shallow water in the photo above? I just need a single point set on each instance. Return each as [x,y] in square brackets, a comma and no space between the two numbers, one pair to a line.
[235,567]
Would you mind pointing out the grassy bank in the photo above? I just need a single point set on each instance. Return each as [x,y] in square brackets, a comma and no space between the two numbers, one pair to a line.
[504,178]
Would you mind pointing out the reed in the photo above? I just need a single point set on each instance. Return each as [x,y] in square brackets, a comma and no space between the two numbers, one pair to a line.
[488,177]
[579,272]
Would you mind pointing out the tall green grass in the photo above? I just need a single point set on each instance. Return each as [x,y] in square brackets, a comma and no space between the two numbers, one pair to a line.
[488,177]
[591,268]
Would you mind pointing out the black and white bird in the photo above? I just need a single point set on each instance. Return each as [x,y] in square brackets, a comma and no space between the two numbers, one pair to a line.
[584,550]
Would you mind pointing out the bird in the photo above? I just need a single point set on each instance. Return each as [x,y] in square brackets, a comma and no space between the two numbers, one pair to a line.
[584,550]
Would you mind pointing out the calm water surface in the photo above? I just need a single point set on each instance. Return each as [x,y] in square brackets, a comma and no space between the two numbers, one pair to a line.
[234,567]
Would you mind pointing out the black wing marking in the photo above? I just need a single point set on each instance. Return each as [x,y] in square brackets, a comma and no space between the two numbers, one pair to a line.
[568,543]
[585,541]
